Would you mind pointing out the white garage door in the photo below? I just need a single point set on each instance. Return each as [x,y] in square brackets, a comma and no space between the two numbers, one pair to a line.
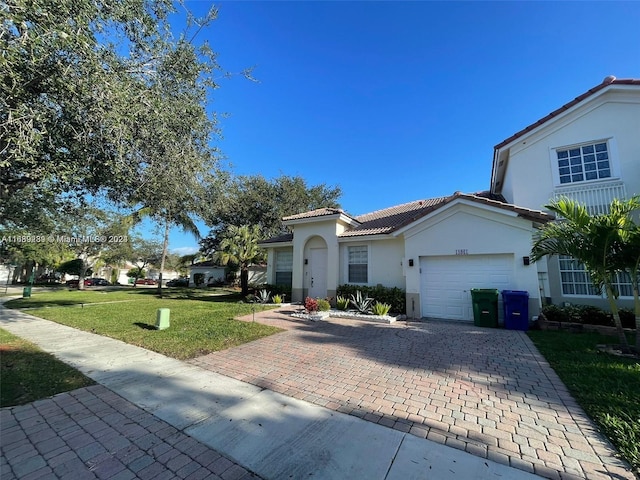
[446,282]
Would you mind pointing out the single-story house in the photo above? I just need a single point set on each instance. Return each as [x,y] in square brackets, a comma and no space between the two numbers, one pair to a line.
[209,271]
[435,249]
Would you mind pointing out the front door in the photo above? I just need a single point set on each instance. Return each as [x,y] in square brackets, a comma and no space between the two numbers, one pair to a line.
[318,273]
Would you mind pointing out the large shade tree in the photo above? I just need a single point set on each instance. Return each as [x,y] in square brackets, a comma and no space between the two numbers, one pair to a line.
[596,241]
[255,200]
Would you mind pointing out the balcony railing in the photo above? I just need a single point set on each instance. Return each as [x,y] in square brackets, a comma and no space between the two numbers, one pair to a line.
[597,197]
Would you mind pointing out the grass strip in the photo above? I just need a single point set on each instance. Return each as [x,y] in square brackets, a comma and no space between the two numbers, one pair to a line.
[200,322]
[28,373]
[606,386]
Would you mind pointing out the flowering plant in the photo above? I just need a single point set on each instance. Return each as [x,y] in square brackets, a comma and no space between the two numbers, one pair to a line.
[310,304]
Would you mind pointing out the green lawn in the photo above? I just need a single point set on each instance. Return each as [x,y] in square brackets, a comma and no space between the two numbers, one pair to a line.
[28,374]
[202,321]
[606,386]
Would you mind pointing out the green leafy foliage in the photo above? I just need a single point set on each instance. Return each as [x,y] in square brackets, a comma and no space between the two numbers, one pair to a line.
[239,245]
[284,290]
[394,296]
[587,315]
[277,299]
[255,200]
[323,305]
[380,308]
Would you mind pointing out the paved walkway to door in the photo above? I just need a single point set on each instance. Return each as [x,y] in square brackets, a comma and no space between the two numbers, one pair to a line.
[485,391]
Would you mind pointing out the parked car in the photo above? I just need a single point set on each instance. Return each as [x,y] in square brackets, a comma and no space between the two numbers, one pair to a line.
[146,281]
[101,282]
[74,283]
[178,282]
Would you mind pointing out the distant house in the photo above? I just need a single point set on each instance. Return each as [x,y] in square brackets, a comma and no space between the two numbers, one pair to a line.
[211,272]
[207,272]
[438,249]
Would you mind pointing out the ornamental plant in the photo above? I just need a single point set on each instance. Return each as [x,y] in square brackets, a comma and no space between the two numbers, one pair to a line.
[310,305]
[342,303]
[361,303]
[263,296]
[380,308]
[323,305]
[277,299]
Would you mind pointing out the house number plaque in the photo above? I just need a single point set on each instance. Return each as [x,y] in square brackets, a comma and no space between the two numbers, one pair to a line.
[462,251]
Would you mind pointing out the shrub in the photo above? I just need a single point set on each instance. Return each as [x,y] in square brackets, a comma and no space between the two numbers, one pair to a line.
[554,313]
[591,315]
[588,315]
[342,303]
[391,295]
[361,303]
[310,305]
[278,299]
[380,308]
[283,290]
[323,305]
[627,318]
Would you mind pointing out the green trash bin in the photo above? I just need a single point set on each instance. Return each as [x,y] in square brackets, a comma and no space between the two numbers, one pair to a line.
[485,307]
[26,292]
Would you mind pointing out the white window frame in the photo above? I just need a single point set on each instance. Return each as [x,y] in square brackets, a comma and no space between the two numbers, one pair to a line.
[357,261]
[612,151]
[575,269]
[283,265]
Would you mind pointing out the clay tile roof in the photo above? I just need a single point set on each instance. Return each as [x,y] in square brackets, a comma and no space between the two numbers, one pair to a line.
[321,212]
[286,237]
[610,80]
[394,218]
[390,219]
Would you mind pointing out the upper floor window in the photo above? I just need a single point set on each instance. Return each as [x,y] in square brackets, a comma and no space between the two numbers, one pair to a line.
[358,264]
[584,163]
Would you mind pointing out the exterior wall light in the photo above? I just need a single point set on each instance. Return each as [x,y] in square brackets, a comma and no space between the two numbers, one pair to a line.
[411,262]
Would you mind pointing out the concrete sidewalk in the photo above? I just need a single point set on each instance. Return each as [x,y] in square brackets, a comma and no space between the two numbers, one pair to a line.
[267,433]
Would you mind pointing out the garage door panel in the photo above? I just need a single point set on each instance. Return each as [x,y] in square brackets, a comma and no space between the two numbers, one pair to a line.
[446,282]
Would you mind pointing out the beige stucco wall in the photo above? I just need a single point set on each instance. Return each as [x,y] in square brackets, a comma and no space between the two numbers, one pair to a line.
[529,179]
[473,230]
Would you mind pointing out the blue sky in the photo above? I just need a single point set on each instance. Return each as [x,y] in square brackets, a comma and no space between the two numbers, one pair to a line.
[397,101]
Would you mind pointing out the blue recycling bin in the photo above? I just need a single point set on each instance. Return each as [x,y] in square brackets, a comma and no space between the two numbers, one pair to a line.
[515,304]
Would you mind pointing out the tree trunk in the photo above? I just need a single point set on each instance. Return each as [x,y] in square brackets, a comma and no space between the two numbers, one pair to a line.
[83,272]
[244,281]
[163,258]
[636,309]
[616,316]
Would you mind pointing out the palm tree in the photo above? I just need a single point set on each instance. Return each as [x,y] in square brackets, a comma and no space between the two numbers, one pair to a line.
[594,241]
[239,245]
[628,254]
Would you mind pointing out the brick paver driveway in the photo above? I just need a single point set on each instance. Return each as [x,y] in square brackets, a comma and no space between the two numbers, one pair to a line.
[486,391]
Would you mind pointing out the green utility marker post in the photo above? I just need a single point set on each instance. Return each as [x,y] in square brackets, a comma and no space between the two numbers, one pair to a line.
[162,318]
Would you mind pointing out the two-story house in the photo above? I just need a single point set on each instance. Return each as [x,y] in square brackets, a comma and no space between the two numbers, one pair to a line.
[587,150]
[438,249]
